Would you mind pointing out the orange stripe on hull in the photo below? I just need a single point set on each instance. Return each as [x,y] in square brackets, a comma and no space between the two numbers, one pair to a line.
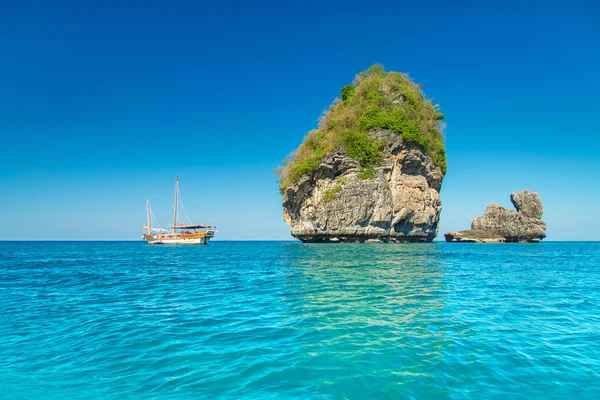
[193,235]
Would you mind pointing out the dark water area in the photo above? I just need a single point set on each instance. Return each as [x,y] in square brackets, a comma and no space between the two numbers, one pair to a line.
[285,320]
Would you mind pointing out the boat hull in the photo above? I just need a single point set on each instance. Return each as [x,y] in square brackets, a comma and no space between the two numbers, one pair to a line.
[184,241]
[196,238]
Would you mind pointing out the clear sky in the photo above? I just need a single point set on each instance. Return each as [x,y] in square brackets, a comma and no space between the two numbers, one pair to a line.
[102,103]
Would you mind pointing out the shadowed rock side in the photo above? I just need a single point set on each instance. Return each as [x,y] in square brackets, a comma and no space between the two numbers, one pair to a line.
[400,203]
[500,225]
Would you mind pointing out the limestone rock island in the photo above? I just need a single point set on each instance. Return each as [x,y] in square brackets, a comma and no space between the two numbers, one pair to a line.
[499,224]
[372,170]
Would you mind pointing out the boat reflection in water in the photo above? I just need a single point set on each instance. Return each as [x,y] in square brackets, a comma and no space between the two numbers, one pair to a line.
[189,233]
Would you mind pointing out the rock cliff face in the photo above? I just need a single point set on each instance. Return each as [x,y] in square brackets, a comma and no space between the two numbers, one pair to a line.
[400,202]
[499,224]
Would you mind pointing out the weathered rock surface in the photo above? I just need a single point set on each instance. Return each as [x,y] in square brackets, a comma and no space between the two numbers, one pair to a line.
[499,224]
[400,203]
[528,203]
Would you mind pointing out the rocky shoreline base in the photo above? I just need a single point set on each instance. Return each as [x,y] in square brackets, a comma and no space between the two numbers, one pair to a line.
[361,239]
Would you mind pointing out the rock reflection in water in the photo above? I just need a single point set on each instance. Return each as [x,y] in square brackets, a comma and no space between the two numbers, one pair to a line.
[371,315]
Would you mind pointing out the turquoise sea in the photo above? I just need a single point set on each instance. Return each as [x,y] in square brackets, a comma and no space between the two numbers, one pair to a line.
[283,320]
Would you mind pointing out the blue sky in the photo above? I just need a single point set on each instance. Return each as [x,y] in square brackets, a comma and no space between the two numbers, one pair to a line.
[102,103]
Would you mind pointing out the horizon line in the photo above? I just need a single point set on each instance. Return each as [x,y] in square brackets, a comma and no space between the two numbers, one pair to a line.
[263,240]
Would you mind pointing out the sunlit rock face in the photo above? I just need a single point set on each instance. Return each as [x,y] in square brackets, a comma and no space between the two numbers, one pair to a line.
[401,202]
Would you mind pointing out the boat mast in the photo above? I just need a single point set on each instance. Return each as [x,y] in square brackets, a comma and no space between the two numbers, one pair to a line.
[175,202]
[148,213]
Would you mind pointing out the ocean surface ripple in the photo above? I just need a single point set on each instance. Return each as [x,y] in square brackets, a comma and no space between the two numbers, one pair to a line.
[283,320]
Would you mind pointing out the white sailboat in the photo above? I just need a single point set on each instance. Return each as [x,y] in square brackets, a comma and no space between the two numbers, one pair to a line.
[189,233]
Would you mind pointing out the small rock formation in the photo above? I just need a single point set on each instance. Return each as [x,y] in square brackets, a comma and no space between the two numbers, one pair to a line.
[500,225]
[400,203]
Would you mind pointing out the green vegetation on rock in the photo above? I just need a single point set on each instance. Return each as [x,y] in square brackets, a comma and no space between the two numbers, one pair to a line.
[375,100]
[332,193]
